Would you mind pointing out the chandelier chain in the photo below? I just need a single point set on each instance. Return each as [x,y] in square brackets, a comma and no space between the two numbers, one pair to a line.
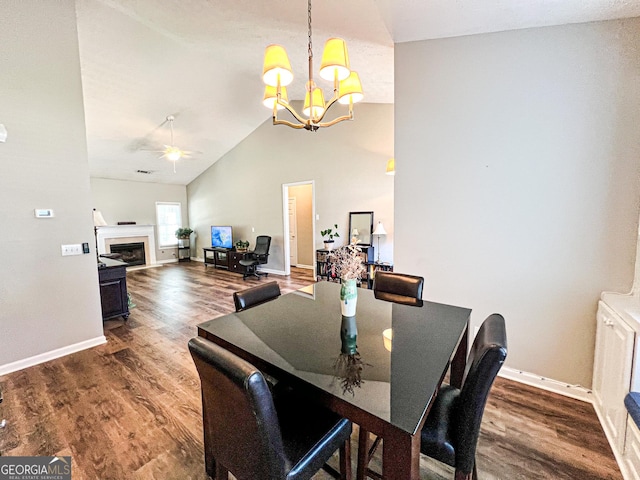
[309,19]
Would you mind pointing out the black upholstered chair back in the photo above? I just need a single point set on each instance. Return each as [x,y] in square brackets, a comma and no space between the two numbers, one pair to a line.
[263,242]
[255,295]
[398,288]
[240,422]
[488,353]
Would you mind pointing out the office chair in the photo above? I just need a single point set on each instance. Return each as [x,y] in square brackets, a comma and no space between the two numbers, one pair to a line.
[256,435]
[255,295]
[451,430]
[257,257]
[398,288]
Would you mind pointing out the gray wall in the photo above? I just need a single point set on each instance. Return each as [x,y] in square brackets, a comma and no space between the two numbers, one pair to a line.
[47,301]
[120,200]
[519,154]
[346,161]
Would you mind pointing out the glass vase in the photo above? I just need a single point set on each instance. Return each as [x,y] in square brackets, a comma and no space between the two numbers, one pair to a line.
[348,297]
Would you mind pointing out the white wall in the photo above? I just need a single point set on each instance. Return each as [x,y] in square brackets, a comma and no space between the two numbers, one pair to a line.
[122,201]
[347,162]
[47,301]
[518,156]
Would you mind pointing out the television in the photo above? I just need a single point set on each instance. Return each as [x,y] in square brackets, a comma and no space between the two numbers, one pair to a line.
[221,237]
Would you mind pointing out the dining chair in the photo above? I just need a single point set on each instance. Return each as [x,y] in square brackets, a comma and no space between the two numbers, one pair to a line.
[451,430]
[398,288]
[256,295]
[253,434]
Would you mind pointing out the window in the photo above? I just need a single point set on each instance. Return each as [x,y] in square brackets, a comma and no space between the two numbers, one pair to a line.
[169,219]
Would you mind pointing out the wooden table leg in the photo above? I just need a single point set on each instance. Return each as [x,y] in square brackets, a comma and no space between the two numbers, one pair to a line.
[401,456]
[459,362]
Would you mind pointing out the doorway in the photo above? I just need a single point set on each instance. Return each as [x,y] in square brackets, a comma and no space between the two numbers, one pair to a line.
[299,227]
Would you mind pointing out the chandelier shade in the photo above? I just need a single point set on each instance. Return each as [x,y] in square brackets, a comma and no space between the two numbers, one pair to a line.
[335,60]
[391,167]
[350,89]
[335,67]
[317,107]
[277,68]
[270,98]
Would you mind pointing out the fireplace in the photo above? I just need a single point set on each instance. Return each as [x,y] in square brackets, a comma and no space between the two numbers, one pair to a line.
[118,234]
[132,253]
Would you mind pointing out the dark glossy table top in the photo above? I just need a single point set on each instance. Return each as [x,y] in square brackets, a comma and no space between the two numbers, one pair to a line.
[300,334]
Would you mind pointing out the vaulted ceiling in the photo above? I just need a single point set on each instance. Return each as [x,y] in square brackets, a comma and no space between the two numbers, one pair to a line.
[201,61]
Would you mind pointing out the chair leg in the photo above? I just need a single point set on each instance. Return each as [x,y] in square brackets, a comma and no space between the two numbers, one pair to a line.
[363,447]
[460,475]
[345,461]
[221,472]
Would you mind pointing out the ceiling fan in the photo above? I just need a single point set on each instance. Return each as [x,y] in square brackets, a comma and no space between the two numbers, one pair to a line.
[171,152]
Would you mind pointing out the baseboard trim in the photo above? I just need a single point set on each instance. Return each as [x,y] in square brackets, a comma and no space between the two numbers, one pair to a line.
[576,392]
[306,267]
[170,260]
[53,354]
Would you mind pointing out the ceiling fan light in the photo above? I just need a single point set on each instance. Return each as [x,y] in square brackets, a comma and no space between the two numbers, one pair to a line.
[276,66]
[350,90]
[335,58]
[271,97]
[173,153]
[314,103]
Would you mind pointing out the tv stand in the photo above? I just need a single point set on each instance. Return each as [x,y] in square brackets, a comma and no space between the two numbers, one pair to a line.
[218,257]
[225,258]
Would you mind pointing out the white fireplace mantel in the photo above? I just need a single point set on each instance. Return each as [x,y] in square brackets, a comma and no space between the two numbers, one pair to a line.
[127,231]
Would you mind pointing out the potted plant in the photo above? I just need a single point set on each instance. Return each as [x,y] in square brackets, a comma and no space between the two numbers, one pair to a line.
[183,233]
[242,245]
[327,236]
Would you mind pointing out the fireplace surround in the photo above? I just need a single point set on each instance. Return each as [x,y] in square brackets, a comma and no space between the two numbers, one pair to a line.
[122,234]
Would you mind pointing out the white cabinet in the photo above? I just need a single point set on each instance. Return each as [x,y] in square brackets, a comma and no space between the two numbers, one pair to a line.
[612,372]
[632,450]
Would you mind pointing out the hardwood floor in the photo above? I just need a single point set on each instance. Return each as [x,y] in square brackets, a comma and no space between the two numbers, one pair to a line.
[131,409]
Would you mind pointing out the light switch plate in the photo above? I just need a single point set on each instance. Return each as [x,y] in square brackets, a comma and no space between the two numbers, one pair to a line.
[75,249]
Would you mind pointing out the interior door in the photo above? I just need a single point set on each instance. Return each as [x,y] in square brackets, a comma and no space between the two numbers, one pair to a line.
[293,232]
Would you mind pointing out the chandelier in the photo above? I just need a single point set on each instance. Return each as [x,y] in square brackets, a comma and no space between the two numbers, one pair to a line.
[277,74]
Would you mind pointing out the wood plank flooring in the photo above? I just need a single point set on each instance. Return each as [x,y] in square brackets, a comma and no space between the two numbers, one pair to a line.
[131,409]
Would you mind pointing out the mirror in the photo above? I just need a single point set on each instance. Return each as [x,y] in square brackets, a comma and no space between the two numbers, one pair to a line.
[361,227]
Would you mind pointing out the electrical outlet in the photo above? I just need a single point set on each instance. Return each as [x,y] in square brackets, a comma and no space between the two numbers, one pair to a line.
[75,249]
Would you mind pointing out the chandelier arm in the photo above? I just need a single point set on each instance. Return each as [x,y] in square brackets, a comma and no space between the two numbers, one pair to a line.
[289,124]
[335,120]
[292,111]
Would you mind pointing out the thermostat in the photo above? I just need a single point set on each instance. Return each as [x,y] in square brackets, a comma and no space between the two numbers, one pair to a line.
[43,213]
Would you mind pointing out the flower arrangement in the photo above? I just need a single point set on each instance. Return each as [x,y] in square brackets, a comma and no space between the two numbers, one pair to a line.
[347,262]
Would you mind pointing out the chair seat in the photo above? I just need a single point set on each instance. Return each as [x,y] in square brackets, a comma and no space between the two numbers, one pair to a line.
[436,438]
[247,263]
[308,449]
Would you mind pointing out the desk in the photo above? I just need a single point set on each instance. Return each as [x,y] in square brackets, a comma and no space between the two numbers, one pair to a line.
[297,338]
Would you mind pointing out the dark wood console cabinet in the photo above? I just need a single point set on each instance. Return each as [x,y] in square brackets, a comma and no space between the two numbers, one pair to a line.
[224,258]
[113,289]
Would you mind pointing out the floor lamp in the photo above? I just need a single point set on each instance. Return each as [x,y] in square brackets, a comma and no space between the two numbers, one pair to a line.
[377,232]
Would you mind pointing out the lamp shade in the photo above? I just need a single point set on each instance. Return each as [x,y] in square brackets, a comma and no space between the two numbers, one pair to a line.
[271,96]
[314,103]
[335,60]
[379,229]
[350,89]
[98,219]
[276,66]
[391,167]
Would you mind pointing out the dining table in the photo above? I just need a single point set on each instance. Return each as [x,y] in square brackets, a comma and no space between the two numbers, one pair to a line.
[381,368]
